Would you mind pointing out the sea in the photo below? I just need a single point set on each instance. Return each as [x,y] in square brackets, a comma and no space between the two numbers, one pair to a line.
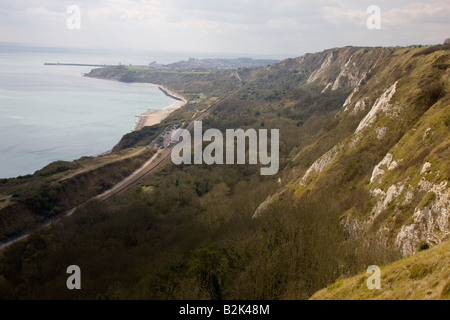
[50,113]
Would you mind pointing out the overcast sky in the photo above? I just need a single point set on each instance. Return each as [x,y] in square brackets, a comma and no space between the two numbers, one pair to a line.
[282,27]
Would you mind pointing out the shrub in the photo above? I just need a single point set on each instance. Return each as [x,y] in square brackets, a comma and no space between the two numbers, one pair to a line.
[432,49]
[55,167]
[427,199]
[423,246]
[432,92]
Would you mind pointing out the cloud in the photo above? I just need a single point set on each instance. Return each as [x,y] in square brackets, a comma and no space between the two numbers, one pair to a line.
[44,13]
[267,26]
[415,14]
[341,16]
[126,10]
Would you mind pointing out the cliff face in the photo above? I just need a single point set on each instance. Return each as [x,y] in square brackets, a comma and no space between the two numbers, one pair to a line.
[388,147]
[346,67]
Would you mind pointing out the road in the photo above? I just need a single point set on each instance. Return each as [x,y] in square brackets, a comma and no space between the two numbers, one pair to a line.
[149,167]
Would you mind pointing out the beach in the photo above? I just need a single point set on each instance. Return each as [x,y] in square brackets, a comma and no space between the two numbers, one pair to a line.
[54,113]
[152,117]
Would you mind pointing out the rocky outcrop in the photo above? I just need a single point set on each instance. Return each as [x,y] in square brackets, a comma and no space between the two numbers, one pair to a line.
[431,219]
[323,68]
[349,68]
[320,164]
[360,105]
[348,77]
[263,207]
[387,163]
[381,105]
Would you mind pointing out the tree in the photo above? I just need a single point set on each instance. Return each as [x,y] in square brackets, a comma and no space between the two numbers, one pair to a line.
[447,41]
[205,265]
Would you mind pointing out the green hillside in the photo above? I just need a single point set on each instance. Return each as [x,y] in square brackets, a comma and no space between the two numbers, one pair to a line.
[363,180]
[423,276]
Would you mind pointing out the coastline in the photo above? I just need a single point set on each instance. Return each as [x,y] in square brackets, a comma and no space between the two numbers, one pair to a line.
[152,116]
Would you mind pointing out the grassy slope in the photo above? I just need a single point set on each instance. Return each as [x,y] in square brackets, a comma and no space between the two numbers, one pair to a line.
[425,275]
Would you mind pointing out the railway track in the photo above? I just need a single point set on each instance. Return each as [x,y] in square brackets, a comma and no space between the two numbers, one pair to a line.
[118,188]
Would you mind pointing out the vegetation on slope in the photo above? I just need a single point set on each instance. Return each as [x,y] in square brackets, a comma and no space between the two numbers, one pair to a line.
[187,231]
[413,128]
[188,234]
[423,276]
[61,186]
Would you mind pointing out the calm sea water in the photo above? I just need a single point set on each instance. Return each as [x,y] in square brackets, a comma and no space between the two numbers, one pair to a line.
[50,113]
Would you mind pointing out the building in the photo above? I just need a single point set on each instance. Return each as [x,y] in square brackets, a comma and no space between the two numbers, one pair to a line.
[176,136]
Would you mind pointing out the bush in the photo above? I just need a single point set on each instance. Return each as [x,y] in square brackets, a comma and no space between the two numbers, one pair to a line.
[423,246]
[432,92]
[429,50]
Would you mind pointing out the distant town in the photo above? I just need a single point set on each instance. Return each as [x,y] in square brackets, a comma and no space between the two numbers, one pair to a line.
[199,65]
[191,65]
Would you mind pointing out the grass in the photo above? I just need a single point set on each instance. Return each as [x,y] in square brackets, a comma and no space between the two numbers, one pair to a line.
[425,275]
[427,200]
[148,189]
[5,202]
[91,163]
[142,69]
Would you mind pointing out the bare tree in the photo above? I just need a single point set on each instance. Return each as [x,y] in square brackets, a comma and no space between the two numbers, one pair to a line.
[447,41]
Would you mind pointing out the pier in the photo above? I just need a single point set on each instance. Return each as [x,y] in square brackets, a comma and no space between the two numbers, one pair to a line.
[77,64]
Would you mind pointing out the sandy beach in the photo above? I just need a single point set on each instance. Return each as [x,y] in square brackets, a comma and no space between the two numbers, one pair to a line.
[152,117]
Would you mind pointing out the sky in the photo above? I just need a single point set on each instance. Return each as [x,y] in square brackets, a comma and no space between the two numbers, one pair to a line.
[271,27]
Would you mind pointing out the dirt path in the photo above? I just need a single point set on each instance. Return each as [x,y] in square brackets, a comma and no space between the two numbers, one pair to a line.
[96,166]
